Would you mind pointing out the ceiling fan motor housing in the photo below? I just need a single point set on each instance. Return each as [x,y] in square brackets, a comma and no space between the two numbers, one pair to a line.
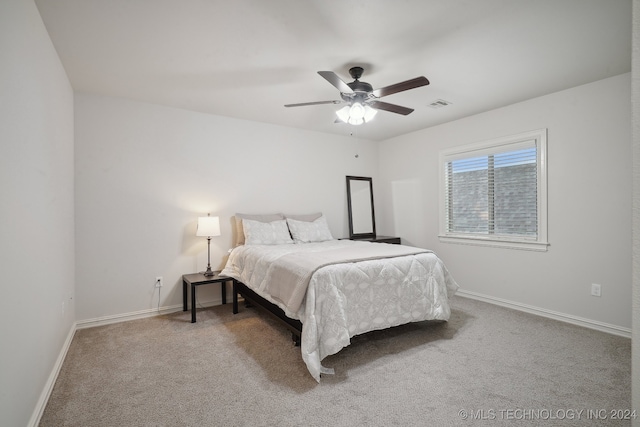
[359,94]
[362,90]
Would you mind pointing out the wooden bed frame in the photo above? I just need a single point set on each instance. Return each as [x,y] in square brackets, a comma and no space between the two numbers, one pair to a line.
[252,298]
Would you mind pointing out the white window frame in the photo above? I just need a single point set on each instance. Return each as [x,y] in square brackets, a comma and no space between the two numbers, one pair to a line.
[538,243]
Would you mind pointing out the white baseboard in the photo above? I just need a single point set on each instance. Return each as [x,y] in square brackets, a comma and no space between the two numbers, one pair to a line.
[125,317]
[568,318]
[51,381]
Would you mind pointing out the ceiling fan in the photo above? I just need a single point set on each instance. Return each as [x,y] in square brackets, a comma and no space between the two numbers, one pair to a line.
[363,101]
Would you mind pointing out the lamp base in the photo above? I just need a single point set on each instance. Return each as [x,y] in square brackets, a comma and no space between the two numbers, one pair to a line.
[208,272]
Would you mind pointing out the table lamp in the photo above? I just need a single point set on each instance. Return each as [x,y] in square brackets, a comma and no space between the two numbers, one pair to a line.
[208,226]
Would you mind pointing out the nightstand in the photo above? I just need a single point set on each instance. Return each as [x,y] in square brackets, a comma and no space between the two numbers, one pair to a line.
[381,239]
[198,279]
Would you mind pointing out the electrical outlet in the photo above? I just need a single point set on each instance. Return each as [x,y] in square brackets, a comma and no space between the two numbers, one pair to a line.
[159,282]
[596,290]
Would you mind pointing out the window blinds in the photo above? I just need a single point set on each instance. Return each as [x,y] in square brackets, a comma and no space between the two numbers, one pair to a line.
[493,191]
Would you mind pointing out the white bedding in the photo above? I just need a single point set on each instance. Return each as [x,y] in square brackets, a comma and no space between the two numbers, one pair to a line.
[347,299]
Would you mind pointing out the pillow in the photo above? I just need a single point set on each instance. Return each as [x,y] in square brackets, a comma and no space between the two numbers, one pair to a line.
[307,232]
[308,217]
[262,218]
[266,233]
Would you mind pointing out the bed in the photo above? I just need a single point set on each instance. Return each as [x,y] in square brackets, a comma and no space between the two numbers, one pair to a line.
[326,290]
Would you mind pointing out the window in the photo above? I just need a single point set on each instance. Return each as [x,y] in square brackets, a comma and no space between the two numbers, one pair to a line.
[494,193]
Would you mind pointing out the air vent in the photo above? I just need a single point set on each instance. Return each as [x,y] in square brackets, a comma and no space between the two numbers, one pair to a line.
[439,103]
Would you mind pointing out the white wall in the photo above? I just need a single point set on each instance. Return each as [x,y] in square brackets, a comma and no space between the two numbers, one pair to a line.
[144,173]
[589,202]
[36,218]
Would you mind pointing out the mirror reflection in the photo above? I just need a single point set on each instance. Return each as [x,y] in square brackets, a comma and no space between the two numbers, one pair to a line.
[360,205]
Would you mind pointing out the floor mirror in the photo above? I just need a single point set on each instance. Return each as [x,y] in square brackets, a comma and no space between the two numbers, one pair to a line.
[362,219]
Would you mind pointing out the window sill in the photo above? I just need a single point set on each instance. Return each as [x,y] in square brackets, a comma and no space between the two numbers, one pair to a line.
[525,245]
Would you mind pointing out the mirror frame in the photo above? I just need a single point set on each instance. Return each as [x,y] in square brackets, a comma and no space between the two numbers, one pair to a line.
[353,235]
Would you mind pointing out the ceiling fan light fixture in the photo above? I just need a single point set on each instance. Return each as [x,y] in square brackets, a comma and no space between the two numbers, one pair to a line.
[369,113]
[355,121]
[356,111]
[356,114]
[343,114]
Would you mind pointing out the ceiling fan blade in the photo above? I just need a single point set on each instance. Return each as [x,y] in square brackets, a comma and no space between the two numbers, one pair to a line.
[399,87]
[393,108]
[314,103]
[336,81]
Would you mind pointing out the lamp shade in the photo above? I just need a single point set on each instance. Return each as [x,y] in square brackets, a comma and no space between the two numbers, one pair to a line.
[208,226]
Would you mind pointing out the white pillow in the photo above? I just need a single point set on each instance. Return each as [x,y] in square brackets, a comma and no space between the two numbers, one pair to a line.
[259,217]
[266,233]
[307,232]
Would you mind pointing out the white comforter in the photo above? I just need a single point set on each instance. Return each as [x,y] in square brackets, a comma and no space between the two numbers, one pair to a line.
[347,299]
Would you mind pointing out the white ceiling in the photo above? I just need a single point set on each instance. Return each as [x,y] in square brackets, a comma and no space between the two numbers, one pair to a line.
[247,58]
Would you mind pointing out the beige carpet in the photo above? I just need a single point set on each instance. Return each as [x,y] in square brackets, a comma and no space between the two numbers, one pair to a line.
[487,366]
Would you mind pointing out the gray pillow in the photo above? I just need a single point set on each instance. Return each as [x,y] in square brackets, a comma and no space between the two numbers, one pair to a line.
[307,217]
